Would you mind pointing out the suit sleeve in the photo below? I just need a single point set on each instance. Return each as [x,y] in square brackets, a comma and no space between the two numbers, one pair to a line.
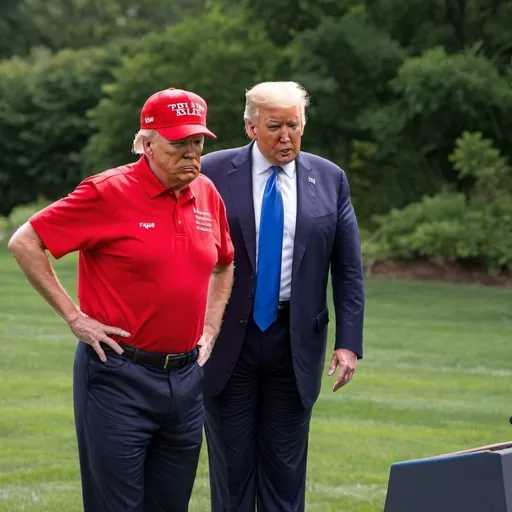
[347,276]
[226,251]
[73,223]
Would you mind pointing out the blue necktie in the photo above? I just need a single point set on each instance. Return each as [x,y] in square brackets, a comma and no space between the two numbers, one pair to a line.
[270,245]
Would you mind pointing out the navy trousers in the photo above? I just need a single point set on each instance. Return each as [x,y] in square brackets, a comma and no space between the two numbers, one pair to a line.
[257,429]
[139,432]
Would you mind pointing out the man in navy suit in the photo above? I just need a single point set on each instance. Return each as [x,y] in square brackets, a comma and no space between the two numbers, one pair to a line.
[291,220]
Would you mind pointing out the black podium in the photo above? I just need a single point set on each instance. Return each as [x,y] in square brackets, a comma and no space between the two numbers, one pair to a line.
[476,480]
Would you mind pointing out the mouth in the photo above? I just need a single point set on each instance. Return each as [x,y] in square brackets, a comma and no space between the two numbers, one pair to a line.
[189,168]
[285,152]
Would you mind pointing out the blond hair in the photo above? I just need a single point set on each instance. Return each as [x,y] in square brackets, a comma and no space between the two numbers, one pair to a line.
[275,95]
[140,137]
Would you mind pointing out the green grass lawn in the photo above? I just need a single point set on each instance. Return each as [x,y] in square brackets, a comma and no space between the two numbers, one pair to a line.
[435,379]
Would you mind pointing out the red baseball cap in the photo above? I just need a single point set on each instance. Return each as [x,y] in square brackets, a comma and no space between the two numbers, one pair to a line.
[175,114]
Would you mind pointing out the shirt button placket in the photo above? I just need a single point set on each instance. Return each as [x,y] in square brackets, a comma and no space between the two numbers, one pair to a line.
[178,219]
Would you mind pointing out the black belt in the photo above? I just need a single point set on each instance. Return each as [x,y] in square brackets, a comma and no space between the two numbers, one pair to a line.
[158,360]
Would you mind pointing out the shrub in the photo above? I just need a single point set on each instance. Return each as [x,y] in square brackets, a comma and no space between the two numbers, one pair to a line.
[456,227]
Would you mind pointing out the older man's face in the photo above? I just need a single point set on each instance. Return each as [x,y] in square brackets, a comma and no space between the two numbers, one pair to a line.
[178,162]
[278,133]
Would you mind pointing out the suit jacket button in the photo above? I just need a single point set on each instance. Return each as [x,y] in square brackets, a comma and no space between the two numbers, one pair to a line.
[243,322]
[250,295]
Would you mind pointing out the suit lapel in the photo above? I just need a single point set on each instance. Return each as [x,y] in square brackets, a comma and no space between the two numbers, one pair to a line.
[306,207]
[240,181]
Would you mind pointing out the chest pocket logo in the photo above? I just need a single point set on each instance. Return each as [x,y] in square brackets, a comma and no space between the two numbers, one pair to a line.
[203,220]
[147,225]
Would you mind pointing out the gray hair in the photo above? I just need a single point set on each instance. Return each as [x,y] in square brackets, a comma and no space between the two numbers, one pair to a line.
[140,137]
[275,95]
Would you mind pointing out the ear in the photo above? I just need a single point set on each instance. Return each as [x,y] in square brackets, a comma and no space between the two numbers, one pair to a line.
[148,149]
[251,130]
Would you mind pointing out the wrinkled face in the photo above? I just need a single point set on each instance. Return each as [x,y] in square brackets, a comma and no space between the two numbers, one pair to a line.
[278,133]
[177,163]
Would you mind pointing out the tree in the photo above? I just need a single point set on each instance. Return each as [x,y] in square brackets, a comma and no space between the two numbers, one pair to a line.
[346,64]
[59,24]
[437,97]
[283,21]
[43,121]
[455,25]
[15,186]
[237,56]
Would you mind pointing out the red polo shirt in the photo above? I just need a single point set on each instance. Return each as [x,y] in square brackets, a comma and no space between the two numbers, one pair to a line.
[146,256]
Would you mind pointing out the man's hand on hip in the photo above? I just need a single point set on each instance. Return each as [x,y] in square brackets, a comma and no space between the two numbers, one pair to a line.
[93,333]
[205,345]
[346,361]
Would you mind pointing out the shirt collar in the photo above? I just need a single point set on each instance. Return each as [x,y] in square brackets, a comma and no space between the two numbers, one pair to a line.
[153,186]
[260,164]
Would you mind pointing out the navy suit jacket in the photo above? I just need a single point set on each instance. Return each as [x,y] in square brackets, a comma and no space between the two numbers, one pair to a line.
[326,236]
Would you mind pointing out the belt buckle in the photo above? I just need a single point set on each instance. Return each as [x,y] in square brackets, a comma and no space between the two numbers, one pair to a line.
[168,356]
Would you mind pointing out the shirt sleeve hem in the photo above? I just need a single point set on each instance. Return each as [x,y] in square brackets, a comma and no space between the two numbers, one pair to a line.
[39,228]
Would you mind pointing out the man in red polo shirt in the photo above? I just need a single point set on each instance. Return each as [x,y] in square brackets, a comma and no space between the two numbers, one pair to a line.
[154,276]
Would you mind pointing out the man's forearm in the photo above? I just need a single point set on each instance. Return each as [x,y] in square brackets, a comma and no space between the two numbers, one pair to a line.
[30,254]
[219,292]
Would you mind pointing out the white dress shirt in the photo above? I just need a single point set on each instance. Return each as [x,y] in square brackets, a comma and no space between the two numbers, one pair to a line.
[286,180]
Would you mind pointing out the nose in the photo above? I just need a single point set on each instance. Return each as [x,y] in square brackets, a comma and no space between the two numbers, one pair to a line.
[284,135]
[191,149]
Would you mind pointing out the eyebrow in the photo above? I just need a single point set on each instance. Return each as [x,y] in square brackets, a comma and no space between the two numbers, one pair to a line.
[275,121]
